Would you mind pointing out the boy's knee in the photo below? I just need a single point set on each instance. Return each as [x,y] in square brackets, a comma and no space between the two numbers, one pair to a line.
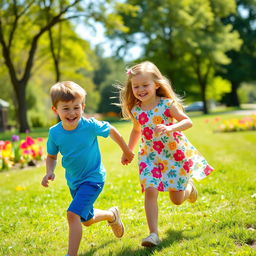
[88,222]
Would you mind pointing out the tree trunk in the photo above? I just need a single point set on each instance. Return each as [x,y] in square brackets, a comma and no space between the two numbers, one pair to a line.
[233,95]
[203,95]
[22,107]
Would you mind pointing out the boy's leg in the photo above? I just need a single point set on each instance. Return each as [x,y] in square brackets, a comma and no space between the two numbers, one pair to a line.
[112,215]
[100,215]
[75,233]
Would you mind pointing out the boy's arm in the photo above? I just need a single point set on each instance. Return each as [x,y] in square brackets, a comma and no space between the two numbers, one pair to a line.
[116,136]
[51,161]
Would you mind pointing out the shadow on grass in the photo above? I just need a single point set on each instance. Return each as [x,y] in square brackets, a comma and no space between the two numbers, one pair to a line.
[172,237]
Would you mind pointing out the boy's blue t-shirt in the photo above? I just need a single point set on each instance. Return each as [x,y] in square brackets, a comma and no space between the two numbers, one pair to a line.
[80,150]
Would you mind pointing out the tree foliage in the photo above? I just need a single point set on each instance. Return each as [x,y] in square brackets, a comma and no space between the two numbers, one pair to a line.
[185,38]
[24,23]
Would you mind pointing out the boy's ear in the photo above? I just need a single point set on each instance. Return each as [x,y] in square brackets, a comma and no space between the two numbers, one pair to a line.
[54,110]
[83,106]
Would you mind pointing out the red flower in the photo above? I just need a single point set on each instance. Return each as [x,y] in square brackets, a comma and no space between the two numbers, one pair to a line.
[167,112]
[179,155]
[142,188]
[156,173]
[187,165]
[24,145]
[143,118]
[147,132]
[142,166]
[160,186]
[158,146]
[208,169]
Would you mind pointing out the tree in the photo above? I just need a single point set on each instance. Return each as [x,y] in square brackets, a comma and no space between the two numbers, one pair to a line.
[242,67]
[185,38]
[25,22]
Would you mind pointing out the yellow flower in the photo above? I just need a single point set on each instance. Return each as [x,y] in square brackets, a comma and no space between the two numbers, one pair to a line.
[20,188]
[171,181]
[182,172]
[162,165]
[189,153]
[156,110]
[157,120]
[172,145]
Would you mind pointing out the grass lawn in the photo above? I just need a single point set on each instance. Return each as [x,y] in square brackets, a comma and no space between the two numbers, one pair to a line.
[221,222]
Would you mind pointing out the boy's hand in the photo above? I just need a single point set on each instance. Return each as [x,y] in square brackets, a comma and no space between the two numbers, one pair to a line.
[46,178]
[127,157]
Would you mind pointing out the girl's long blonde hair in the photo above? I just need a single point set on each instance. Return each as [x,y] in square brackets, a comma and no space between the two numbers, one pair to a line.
[128,100]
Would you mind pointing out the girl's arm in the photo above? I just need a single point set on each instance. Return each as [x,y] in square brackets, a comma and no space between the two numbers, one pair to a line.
[51,161]
[116,136]
[134,137]
[184,122]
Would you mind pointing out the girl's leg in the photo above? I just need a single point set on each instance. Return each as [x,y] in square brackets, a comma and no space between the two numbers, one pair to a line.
[75,233]
[151,209]
[100,215]
[178,197]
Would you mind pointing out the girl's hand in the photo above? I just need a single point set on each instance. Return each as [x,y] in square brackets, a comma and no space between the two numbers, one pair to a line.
[46,178]
[127,158]
[161,129]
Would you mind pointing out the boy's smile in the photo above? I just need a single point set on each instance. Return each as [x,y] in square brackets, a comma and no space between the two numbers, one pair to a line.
[70,113]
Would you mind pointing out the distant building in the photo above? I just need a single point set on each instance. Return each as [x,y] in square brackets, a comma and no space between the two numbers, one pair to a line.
[3,115]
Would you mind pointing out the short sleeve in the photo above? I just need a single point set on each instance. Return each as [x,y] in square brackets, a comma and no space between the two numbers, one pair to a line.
[102,128]
[52,148]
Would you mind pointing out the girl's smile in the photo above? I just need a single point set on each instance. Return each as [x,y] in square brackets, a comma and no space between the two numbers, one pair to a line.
[144,88]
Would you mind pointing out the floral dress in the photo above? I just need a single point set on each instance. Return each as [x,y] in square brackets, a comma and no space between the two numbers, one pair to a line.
[166,161]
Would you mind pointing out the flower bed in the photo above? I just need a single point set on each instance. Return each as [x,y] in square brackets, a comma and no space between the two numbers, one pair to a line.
[233,125]
[21,153]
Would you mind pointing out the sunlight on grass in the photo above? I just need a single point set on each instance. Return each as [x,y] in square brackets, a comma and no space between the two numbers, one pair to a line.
[222,222]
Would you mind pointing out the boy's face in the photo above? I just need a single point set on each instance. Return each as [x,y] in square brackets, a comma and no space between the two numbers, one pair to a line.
[69,112]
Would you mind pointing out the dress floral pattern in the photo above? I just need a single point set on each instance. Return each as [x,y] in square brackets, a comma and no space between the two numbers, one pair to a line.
[166,161]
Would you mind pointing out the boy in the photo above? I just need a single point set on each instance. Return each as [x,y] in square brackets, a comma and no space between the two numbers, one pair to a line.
[75,137]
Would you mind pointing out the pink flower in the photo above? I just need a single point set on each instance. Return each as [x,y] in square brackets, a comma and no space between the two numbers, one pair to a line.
[160,186]
[208,169]
[147,132]
[142,166]
[40,139]
[176,135]
[179,155]
[167,112]
[24,145]
[143,118]
[158,146]
[156,173]
[30,141]
[187,165]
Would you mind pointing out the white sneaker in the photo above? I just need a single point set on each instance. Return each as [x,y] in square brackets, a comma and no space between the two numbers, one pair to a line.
[151,240]
[117,225]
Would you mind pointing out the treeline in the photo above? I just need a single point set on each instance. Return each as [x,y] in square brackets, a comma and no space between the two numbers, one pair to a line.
[206,48]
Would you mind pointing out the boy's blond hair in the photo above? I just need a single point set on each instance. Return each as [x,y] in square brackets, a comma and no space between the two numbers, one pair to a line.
[66,91]
[128,100]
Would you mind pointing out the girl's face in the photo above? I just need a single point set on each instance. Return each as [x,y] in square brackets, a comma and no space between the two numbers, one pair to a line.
[69,112]
[144,88]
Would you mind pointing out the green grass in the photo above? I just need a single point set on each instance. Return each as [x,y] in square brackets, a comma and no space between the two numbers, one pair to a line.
[221,222]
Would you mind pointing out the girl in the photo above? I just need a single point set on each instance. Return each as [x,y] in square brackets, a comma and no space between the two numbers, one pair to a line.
[167,160]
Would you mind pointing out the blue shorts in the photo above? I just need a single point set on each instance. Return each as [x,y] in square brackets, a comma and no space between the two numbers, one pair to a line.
[83,199]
